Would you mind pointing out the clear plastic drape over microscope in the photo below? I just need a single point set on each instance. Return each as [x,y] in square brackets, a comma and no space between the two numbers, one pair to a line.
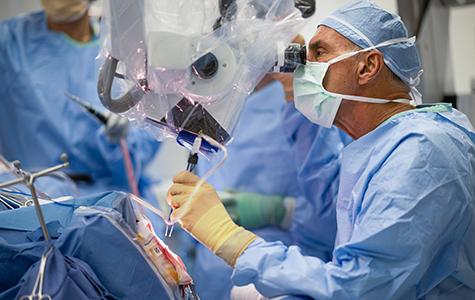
[185,67]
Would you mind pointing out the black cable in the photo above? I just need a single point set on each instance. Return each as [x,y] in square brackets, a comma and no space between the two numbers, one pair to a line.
[192,161]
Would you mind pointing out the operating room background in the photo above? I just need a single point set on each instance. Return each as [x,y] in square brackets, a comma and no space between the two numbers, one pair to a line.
[455,75]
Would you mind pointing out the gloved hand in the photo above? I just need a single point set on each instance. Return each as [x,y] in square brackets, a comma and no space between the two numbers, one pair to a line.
[202,214]
[116,128]
[252,210]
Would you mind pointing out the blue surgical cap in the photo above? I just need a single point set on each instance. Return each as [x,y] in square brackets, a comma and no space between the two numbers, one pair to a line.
[367,25]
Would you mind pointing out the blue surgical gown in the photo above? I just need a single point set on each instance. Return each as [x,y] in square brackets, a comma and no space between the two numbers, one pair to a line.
[267,157]
[405,218]
[318,153]
[38,122]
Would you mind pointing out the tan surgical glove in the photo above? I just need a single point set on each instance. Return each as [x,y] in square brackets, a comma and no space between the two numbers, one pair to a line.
[205,217]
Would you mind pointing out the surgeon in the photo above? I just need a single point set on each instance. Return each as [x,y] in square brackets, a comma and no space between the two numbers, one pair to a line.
[259,182]
[405,206]
[44,55]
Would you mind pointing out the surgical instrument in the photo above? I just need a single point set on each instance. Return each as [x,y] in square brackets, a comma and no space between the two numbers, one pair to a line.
[103,118]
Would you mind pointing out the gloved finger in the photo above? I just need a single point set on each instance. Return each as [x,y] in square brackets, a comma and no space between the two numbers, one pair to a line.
[116,128]
[112,119]
[178,188]
[186,177]
[177,215]
[178,200]
[114,122]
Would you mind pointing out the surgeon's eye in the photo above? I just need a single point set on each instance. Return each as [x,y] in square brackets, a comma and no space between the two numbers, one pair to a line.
[318,53]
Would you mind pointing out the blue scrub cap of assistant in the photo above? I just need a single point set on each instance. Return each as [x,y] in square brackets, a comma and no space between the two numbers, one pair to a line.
[366,25]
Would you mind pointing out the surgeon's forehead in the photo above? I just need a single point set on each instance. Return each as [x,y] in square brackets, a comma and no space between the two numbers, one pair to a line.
[330,40]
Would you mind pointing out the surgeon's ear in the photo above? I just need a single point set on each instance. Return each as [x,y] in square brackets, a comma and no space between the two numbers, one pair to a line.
[370,66]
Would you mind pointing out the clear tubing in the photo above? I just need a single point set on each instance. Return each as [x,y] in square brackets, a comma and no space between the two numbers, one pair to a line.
[150,207]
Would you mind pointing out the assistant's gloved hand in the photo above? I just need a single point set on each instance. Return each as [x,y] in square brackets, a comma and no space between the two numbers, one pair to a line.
[252,210]
[116,128]
[202,214]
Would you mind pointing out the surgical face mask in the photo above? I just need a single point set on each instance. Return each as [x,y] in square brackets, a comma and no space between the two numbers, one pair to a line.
[321,106]
[65,11]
